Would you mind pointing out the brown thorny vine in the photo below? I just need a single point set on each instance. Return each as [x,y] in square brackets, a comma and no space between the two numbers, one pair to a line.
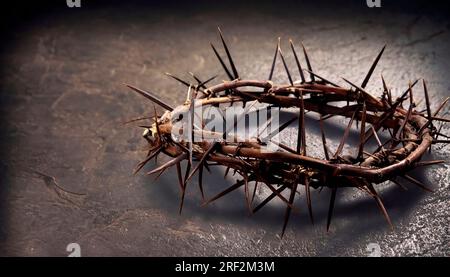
[411,132]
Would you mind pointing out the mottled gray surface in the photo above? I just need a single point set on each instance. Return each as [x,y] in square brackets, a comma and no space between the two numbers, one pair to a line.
[63,104]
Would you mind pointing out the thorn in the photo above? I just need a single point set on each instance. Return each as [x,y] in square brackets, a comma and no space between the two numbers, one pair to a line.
[427,99]
[279,194]
[143,163]
[362,132]
[388,92]
[254,191]
[408,114]
[297,61]
[246,192]
[200,182]
[274,60]
[367,95]
[230,59]
[324,140]
[320,77]
[427,163]
[344,137]
[228,190]
[285,66]
[399,184]
[308,63]
[168,164]
[222,63]
[308,199]
[202,160]
[178,79]
[269,198]
[303,128]
[377,138]
[380,204]
[199,81]
[150,96]
[288,208]
[331,207]
[372,68]
[180,178]
[435,114]
[416,182]
[183,192]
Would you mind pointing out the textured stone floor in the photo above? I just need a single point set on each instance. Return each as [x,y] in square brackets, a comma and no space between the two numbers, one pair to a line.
[63,103]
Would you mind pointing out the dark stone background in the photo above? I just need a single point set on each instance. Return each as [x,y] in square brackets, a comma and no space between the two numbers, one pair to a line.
[63,103]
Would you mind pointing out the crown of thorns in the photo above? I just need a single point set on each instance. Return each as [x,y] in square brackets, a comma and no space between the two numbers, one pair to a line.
[411,132]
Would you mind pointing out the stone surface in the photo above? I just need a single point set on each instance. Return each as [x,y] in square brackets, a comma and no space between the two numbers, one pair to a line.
[63,103]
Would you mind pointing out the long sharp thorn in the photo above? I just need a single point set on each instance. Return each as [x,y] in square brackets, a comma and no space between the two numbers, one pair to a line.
[203,84]
[297,61]
[427,99]
[278,194]
[303,127]
[417,183]
[183,191]
[255,187]
[387,91]
[434,115]
[222,63]
[168,164]
[441,106]
[143,163]
[322,78]
[324,139]
[427,163]
[228,190]
[362,132]
[367,95]
[441,141]
[376,137]
[308,199]
[287,214]
[199,82]
[372,68]
[399,184]
[331,206]
[308,63]
[200,182]
[150,96]
[272,68]
[380,204]
[436,118]
[285,66]
[230,59]
[178,79]
[408,115]
[202,160]
[344,137]
[246,192]
[180,177]
[269,198]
